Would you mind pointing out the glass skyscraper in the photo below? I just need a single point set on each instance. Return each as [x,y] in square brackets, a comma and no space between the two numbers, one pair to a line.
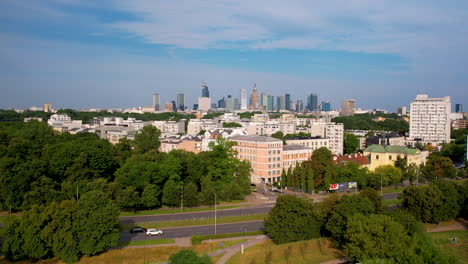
[312,102]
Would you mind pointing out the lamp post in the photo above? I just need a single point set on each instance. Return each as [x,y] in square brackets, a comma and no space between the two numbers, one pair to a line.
[182,198]
[215,212]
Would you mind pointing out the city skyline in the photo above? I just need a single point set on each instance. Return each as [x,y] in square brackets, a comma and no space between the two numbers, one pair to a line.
[382,54]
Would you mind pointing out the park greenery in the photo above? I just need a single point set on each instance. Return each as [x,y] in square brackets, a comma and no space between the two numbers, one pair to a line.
[42,172]
[364,229]
[231,124]
[185,256]
[392,122]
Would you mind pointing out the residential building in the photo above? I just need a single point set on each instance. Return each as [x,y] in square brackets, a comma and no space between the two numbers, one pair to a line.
[311,142]
[195,126]
[332,131]
[47,107]
[271,127]
[347,107]
[211,135]
[312,102]
[260,118]
[295,154]
[187,143]
[430,119]
[264,155]
[181,102]
[232,104]
[402,110]
[460,124]
[357,158]
[156,102]
[379,155]
[170,128]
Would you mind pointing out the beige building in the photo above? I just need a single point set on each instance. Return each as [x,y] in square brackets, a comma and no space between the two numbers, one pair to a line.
[195,126]
[190,144]
[333,131]
[264,154]
[347,107]
[379,155]
[204,103]
[310,142]
[295,154]
[271,127]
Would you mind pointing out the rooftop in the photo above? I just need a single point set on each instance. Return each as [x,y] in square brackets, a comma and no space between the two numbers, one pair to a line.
[391,149]
[294,147]
[256,138]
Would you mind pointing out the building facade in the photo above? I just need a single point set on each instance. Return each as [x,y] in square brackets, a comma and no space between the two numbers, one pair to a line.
[243,99]
[430,119]
[181,102]
[379,155]
[347,107]
[294,155]
[205,91]
[312,102]
[156,102]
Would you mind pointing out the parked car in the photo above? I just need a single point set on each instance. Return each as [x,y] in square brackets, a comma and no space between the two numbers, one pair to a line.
[138,229]
[154,232]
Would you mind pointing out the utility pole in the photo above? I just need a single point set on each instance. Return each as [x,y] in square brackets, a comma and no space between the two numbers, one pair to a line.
[215,212]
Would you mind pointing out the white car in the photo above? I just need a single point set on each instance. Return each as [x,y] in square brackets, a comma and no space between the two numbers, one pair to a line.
[154,232]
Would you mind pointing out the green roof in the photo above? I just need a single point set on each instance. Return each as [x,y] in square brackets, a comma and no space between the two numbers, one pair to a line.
[391,149]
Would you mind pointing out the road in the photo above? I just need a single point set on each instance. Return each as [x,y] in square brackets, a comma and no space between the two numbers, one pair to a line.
[206,230]
[198,230]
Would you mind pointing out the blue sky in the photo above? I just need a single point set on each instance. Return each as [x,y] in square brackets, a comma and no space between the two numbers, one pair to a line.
[116,53]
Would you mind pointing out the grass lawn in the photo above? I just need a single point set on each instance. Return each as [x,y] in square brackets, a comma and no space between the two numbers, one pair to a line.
[311,251]
[146,242]
[393,189]
[193,222]
[176,210]
[391,202]
[137,255]
[428,226]
[197,239]
[459,250]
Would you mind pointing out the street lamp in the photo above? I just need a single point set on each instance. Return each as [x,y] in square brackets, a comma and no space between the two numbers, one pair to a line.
[215,212]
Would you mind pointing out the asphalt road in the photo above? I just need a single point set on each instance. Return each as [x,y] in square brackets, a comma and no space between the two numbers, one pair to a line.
[199,230]
[257,209]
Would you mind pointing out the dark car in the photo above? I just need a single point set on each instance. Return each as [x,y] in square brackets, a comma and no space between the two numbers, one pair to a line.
[138,230]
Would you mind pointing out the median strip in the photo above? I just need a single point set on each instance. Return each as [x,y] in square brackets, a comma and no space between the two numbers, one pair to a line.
[195,222]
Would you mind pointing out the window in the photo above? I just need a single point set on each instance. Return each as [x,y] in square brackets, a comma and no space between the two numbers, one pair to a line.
[390,157]
[377,157]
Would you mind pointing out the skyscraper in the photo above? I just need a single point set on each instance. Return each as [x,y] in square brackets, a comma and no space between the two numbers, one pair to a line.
[243,99]
[254,98]
[271,103]
[222,103]
[347,107]
[312,102]
[181,102]
[205,92]
[47,107]
[280,102]
[264,100]
[156,102]
[325,106]
[174,106]
[299,106]
[430,119]
[287,98]
[458,108]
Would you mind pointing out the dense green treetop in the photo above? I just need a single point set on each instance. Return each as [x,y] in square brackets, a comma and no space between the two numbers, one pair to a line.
[392,122]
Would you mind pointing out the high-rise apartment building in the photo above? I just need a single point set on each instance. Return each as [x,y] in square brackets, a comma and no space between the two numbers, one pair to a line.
[254,98]
[47,107]
[347,107]
[156,102]
[181,102]
[402,110]
[458,108]
[243,99]
[333,131]
[312,102]
[430,119]
[205,91]
[287,99]
[232,104]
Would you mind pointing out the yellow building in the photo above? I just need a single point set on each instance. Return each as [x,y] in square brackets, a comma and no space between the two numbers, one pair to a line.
[387,155]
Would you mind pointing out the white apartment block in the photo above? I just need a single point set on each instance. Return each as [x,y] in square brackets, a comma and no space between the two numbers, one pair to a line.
[430,119]
[313,142]
[169,128]
[333,131]
[260,118]
[195,126]
[270,127]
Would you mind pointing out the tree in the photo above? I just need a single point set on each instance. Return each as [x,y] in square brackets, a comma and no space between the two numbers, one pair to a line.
[231,124]
[294,219]
[96,223]
[374,197]
[278,135]
[151,196]
[322,164]
[186,256]
[439,167]
[389,174]
[351,143]
[422,202]
[171,193]
[190,194]
[147,139]
[374,236]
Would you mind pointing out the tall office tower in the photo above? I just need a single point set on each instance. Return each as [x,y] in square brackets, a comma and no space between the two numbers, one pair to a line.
[347,107]
[174,106]
[325,106]
[195,107]
[156,102]
[299,106]
[280,102]
[205,92]
[222,103]
[312,102]
[458,108]
[254,98]
[181,102]
[243,99]
[287,98]
[430,119]
[47,107]
[271,103]
[402,110]
[168,107]
[264,100]
[204,103]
